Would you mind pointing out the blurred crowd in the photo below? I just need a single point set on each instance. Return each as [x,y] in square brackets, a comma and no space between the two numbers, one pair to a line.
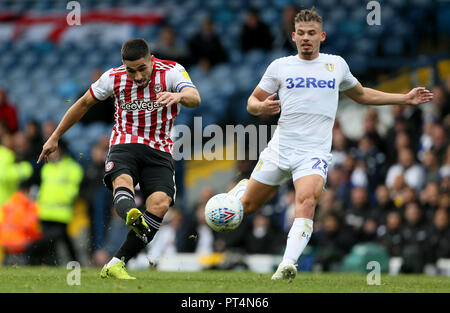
[392,188]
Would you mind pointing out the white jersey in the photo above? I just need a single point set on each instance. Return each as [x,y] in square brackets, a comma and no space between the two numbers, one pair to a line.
[309,94]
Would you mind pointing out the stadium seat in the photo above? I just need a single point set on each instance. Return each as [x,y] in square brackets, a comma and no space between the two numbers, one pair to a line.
[360,256]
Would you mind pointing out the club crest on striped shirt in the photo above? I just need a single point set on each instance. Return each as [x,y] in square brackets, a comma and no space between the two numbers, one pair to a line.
[157,88]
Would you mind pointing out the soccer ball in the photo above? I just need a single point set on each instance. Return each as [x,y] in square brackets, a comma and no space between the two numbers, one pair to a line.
[223,212]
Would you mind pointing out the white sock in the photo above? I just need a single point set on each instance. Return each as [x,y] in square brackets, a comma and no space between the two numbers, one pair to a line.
[113,261]
[298,238]
[239,192]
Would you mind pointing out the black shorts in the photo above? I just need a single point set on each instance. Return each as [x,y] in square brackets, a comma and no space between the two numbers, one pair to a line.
[152,169]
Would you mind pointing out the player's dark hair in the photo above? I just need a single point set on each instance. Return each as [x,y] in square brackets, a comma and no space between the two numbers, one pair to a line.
[308,15]
[134,49]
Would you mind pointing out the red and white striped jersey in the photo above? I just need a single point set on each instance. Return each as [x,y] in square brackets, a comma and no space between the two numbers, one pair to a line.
[138,118]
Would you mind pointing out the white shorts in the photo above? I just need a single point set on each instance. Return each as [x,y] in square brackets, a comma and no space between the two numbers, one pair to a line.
[274,168]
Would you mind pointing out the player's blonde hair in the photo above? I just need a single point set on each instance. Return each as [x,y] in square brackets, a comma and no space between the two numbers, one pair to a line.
[308,15]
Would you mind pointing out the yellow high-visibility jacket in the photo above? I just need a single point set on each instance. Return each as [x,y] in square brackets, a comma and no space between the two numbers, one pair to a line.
[60,184]
[11,173]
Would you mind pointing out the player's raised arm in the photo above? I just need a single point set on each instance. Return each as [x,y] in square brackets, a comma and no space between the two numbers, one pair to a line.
[371,96]
[73,115]
[262,102]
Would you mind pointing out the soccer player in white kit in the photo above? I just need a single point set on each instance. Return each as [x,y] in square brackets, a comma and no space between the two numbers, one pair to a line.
[308,86]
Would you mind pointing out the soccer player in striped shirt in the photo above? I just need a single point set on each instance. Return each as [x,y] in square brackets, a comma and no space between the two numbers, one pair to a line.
[147,93]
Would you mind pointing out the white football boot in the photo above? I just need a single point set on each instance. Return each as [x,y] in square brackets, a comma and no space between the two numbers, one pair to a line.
[238,186]
[285,271]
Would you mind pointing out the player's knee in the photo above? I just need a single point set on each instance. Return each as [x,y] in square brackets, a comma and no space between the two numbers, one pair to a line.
[306,206]
[123,180]
[158,203]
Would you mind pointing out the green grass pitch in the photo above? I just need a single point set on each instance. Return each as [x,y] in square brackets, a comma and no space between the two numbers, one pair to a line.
[54,279]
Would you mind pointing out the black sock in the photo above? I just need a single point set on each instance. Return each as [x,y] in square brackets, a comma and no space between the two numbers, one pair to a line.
[133,244]
[154,222]
[123,201]
[131,247]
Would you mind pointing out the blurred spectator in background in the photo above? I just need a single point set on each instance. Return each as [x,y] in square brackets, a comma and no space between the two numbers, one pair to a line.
[8,113]
[283,38]
[371,122]
[440,141]
[444,170]
[339,148]
[47,129]
[206,45]
[409,168]
[19,225]
[195,235]
[441,102]
[440,236]
[431,166]
[102,111]
[356,214]
[263,237]
[328,204]
[384,205]
[98,198]
[255,34]
[32,131]
[374,160]
[390,234]
[415,237]
[333,242]
[429,199]
[60,183]
[167,47]
[338,180]
[11,171]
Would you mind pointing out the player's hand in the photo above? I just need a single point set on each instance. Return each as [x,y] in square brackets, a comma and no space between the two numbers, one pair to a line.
[49,147]
[270,106]
[168,98]
[418,96]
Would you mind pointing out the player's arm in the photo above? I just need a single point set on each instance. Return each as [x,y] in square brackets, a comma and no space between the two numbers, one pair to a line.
[188,96]
[371,96]
[73,115]
[262,102]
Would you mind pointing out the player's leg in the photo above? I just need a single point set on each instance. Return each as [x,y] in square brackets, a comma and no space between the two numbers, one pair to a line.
[266,177]
[121,177]
[252,194]
[307,193]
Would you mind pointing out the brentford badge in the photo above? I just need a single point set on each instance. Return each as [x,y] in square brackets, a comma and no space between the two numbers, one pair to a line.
[157,88]
[109,166]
